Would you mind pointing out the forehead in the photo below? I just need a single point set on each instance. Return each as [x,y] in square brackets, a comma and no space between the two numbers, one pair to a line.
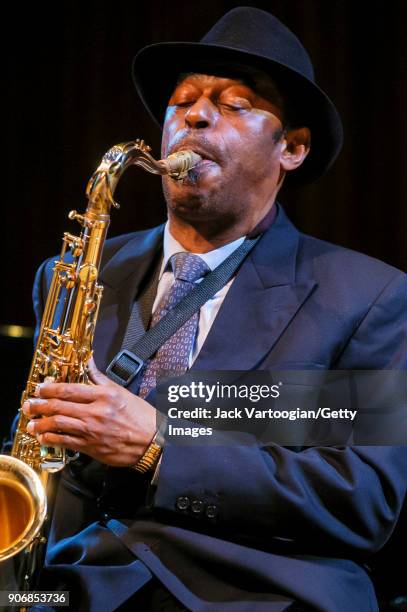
[201,80]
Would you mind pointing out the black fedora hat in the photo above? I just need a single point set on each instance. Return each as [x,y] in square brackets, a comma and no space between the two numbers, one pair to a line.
[254,38]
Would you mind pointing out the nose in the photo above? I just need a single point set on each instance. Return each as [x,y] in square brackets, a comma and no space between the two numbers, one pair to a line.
[201,114]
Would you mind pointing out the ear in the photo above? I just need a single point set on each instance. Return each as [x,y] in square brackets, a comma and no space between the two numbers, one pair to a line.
[295,148]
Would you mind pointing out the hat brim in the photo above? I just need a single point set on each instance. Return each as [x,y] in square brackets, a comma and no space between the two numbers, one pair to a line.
[156,68]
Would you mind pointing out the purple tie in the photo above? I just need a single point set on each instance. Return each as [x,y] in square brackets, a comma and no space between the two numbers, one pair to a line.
[173,356]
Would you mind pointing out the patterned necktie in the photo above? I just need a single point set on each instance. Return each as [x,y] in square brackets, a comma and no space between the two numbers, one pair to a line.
[172,358]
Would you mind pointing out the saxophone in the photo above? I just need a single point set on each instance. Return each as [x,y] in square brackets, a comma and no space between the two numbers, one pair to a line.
[64,347]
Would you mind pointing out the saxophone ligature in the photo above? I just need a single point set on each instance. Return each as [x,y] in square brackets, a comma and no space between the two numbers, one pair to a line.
[63,349]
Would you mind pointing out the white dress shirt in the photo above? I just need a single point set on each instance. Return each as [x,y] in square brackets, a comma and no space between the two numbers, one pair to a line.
[210,309]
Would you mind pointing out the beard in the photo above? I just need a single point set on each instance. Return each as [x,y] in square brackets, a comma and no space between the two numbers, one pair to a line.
[196,200]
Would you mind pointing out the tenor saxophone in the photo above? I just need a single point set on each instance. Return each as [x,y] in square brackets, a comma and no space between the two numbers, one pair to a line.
[63,349]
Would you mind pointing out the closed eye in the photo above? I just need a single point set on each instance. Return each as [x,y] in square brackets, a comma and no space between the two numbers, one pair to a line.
[235,107]
[236,104]
[185,103]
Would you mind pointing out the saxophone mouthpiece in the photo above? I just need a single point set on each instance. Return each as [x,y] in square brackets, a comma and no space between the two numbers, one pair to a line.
[179,164]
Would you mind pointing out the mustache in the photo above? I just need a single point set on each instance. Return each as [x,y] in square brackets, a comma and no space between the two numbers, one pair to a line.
[202,146]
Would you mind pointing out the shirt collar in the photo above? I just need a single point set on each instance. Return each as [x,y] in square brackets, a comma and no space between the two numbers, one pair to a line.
[212,258]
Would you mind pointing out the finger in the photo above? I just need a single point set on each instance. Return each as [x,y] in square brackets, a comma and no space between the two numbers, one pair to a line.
[75,392]
[49,407]
[52,439]
[96,375]
[57,424]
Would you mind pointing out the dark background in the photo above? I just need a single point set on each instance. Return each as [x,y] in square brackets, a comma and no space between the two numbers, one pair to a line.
[68,97]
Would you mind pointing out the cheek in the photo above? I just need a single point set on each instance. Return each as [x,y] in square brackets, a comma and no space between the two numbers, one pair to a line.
[262,131]
[170,128]
[254,129]
[253,154]
[251,143]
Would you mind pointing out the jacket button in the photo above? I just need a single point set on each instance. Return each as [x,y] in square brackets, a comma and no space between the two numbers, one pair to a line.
[197,506]
[182,503]
[211,511]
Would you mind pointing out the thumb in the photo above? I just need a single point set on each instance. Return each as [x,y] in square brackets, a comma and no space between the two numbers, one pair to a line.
[96,375]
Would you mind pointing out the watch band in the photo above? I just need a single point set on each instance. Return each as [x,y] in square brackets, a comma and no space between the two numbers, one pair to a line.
[154,450]
[149,459]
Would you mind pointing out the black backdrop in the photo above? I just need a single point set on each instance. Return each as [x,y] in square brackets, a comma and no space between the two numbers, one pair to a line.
[69,98]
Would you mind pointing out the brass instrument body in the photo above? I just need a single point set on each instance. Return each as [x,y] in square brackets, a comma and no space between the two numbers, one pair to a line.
[63,349]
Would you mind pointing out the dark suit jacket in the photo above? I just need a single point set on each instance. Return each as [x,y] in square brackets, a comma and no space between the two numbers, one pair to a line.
[289,525]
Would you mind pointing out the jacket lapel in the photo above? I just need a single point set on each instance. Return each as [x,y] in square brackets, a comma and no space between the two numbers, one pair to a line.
[122,277]
[259,305]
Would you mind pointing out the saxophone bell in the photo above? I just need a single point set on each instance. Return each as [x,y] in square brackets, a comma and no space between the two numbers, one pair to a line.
[23,506]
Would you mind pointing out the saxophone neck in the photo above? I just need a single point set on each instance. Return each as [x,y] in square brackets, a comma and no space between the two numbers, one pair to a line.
[102,184]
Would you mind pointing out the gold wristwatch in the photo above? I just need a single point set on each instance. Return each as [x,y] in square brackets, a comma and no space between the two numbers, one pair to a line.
[154,450]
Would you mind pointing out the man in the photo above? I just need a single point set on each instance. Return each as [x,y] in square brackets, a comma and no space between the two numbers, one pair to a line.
[249,527]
